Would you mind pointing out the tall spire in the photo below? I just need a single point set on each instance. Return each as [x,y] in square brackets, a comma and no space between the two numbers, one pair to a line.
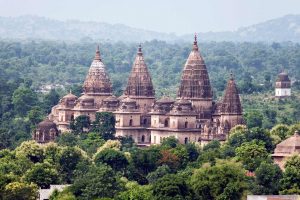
[195,46]
[195,80]
[231,101]
[97,80]
[140,53]
[139,81]
[97,56]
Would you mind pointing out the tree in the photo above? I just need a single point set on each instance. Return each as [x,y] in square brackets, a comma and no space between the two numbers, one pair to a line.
[170,159]
[251,154]
[98,182]
[280,130]
[42,174]
[68,160]
[134,191]
[23,100]
[254,119]
[50,100]
[80,124]
[158,173]
[21,191]
[290,183]
[267,177]
[170,142]
[113,158]
[67,139]
[35,116]
[105,125]
[30,150]
[225,180]
[91,142]
[171,186]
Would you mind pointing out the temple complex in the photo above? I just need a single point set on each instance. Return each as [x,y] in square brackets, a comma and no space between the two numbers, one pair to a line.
[192,117]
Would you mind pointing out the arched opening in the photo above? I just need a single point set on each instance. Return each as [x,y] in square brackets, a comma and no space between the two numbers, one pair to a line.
[72,117]
[166,122]
[185,124]
[143,138]
[130,122]
[186,140]
[145,121]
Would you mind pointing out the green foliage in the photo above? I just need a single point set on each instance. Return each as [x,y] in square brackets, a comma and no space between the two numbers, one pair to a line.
[105,125]
[23,100]
[50,100]
[30,150]
[68,159]
[135,191]
[251,154]
[225,180]
[171,186]
[98,182]
[42,174]
[113,158]
[66,194]
[267,177]
[170,142]
[290,183]
[158,173]
[20,191]
[80,124]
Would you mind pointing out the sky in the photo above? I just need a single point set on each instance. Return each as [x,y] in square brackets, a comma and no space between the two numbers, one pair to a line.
[170,16]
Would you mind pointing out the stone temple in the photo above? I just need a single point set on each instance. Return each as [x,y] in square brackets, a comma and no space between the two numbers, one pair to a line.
[192,117]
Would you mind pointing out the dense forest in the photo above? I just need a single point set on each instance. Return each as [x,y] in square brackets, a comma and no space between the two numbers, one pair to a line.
[98,165]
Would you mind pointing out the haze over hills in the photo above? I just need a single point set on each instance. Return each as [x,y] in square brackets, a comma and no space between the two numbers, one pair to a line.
[286,28]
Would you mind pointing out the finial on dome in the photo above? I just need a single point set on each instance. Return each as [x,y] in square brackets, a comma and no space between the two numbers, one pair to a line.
[231,75]
[140,49]
[70,91]
[97,56]
[195,46]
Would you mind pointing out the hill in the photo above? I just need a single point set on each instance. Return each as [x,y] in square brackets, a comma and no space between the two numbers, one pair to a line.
[286,28]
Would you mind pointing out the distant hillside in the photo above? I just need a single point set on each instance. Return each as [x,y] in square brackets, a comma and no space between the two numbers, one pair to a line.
[286,28]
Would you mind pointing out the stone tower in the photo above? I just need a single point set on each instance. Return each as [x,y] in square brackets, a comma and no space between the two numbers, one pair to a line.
[231,108]
[97,83]
[283,86]
[195,84]
[139,86]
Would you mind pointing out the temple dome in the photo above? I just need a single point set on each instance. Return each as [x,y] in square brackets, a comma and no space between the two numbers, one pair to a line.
[231,100]
[195,80]
[139,81]
[46,131]
[70,96]
[46,125]
[283,77]
[97,80]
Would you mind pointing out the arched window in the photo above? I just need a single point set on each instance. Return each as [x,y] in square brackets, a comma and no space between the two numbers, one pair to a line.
[186,140]
[143,138]
[166,122]
[130,122]
[185,124]
[72,117]
[145,122]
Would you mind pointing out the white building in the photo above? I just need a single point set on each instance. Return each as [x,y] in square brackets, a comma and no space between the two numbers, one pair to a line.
[283,86]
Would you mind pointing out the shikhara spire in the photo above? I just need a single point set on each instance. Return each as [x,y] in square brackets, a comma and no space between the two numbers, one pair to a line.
[139,81]
[97,56]
[231,102]
[97,80]
[195,80]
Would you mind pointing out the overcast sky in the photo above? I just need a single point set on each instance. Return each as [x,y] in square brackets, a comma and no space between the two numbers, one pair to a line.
[178,16]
